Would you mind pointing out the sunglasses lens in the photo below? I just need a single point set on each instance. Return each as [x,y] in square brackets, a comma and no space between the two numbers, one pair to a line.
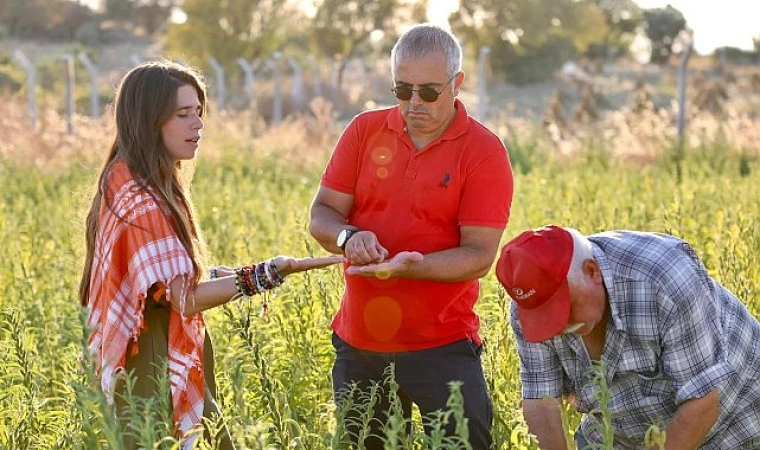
[403,93]
[428,94]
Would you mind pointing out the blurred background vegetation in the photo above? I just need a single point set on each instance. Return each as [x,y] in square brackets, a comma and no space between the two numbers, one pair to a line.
[529,39]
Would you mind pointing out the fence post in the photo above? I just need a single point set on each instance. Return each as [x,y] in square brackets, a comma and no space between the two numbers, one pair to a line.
[31,86]
[68,60]
[482,83]
[683,71]
[334,79]
[356,67]
[316,78]
[298,97]
[247,79]
[92,71]
[220,89]
[273,65]
[375,81]
[382,80]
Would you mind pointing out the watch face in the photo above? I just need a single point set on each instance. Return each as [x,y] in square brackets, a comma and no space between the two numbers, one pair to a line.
[342,238]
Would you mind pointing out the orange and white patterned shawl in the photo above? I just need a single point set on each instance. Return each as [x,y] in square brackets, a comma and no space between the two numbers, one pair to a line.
[131,255]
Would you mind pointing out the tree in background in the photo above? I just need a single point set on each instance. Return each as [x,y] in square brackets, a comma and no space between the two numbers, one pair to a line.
[24,18]
[227,30]
[662,27]
[120,10]
[623,19]
[151,15]
[529,39]
[342,29]
[42,19]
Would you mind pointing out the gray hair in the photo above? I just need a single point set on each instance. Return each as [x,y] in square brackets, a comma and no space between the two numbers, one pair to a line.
[425,38]
[581,252]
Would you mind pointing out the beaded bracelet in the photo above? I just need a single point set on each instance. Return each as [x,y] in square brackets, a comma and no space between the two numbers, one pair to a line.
[273,273]
[244,281]
[252,280]
[212,273]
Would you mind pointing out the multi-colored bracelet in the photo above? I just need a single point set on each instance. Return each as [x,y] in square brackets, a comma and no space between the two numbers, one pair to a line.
[256,279]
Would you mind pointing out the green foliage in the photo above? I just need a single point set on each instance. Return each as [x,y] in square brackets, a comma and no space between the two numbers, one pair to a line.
[88,34]
[530,39]
[52,19]
[341,29]
[148,14]
[603,396]
[24,18]
[340,26]
[233,29]
[526,63]
[623,18]
[662,27]
[12,77]
[733,55]
[273,373]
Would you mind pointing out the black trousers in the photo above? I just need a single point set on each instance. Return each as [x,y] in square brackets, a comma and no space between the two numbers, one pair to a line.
[423,378]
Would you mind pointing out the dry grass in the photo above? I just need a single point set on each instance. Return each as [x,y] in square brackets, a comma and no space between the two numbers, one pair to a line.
[306,138]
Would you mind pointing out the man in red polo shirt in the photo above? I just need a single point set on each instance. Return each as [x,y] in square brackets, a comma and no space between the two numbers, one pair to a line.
[417,197]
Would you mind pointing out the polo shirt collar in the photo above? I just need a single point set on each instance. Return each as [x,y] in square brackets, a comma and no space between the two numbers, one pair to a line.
[457,127]
[618,318]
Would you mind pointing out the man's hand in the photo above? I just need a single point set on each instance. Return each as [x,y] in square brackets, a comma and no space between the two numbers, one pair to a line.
[387,269]
[364,248]
[287,264]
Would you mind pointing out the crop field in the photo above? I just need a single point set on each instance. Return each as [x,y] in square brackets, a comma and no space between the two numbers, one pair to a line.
[253,195]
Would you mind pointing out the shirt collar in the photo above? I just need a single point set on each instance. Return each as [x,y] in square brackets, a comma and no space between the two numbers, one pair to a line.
[608,278]
[457,127]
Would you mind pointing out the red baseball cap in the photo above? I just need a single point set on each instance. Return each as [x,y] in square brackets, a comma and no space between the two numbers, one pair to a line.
[533,269]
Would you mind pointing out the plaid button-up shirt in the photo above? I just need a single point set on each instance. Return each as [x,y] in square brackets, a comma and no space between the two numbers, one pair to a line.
[674,334]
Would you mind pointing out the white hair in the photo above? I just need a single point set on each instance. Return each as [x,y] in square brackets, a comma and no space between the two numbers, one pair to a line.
[581,252]
[424,38]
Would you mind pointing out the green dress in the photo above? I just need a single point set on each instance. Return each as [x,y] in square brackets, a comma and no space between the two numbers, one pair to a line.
[145,367]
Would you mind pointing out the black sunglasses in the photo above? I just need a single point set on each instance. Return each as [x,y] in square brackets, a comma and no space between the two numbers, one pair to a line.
[427,94]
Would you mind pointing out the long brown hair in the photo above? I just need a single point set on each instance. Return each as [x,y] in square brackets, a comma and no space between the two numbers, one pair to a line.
[145,100]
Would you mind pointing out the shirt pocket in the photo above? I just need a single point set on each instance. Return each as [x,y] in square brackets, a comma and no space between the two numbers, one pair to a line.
[641,365]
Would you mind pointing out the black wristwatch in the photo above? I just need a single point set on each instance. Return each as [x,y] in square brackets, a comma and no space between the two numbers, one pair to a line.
[343,238]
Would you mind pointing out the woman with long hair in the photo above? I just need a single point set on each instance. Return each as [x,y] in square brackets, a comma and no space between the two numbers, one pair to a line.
[145,253]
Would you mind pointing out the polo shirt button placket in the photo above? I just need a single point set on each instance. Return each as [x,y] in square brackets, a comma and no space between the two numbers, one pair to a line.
[411,168]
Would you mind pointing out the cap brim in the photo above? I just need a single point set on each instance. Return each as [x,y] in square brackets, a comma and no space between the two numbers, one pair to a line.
[547,320]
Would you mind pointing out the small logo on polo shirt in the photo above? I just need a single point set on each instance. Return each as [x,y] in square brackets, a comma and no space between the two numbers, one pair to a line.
[445,183]
[519,294]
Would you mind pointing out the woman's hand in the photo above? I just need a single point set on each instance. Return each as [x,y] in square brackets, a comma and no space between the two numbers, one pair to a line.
[287,264]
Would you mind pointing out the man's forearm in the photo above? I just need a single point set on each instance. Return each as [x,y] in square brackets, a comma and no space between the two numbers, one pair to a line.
[450,266]
[544,419]
[325,225]
[692,422]
[471,260]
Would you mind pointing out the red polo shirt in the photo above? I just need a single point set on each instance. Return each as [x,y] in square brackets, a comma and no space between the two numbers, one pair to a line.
[416,201]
